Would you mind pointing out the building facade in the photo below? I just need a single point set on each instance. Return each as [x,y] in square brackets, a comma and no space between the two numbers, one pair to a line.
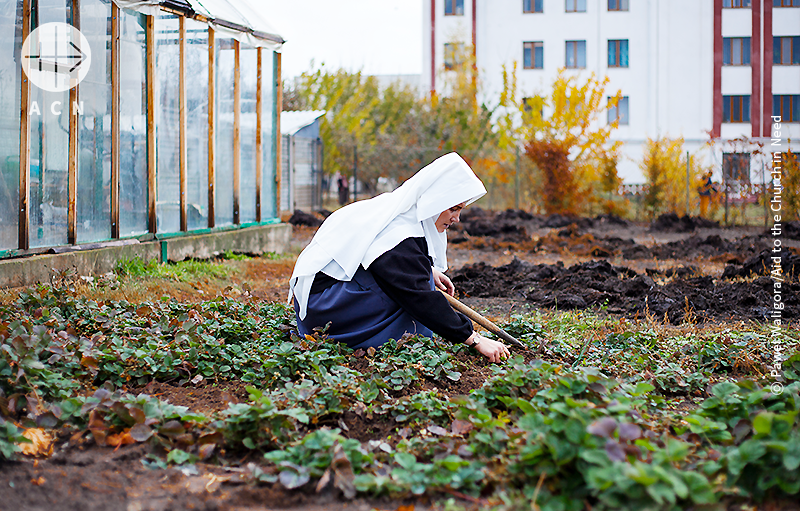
[706,70]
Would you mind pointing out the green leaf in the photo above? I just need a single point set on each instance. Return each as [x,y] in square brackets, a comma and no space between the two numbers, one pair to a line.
[762,424]
[405,460]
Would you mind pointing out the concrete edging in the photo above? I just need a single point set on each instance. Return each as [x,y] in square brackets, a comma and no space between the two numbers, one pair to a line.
[26,271]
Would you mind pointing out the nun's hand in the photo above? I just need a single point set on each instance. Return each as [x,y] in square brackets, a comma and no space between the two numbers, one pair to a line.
[495,351]
[443,282]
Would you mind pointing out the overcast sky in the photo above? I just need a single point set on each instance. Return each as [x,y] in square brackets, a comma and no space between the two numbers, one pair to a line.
[374,36]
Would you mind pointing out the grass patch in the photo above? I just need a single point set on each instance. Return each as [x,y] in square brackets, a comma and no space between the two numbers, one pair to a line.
[183,271]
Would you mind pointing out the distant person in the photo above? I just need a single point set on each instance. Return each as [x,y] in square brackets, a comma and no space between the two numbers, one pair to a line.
[372,269]
[706,190]
[344,190]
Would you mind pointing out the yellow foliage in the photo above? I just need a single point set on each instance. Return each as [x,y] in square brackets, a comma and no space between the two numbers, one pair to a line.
[664,169]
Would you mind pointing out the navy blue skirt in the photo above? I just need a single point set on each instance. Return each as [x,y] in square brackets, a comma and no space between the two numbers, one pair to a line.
[360,313]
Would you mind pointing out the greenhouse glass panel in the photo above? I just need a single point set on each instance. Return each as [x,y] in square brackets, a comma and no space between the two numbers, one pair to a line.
[133,125]
[49,117]
[268,140]
[248,64]
[94,127]
[10,72]
[168,175]
[196,124]
[223,149]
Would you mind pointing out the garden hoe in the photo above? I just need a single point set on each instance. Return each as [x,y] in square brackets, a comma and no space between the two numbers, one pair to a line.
[485,323]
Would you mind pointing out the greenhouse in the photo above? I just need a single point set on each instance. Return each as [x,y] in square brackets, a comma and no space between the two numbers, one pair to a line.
[135,120]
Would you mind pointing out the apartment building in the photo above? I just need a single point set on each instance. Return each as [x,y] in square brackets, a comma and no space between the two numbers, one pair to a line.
[700,69]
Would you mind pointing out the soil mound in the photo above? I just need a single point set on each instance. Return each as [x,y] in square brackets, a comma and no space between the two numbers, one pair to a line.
[620,290]
[671,222]
[762,264]
[302,218]
[791,231]
[696,247]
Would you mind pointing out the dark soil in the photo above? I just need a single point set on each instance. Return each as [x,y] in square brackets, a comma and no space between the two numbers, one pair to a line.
[674,223]
[620,290]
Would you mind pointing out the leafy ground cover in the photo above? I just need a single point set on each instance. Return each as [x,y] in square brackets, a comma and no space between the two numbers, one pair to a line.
[597,412]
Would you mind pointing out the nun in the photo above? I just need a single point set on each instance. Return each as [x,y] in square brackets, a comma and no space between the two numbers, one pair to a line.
[372,269]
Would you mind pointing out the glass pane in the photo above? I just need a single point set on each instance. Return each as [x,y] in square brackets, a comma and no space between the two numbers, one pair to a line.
[612,114]
[745,50]
[94,127]
[612,53]
[581,60]
[248,64]
[526,5]
[223,154]
[132,125]
[786,50]
[726,109]
[776,105]
[10,72]
[539,56]
[736,52]
[168,175]
[49,195]
[795,109]
[526,57]
[745,108]
[623,5]
[736,115]
[268,139]
[623,53]
[726,51]
[538,7]
[623,110]
[459,7]
[581,5]
[196,124]
[570,61]
[787,107]
[776,50]
[796,50]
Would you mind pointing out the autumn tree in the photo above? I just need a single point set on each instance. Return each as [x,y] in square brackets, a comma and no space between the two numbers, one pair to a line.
[665,173]
[567,138]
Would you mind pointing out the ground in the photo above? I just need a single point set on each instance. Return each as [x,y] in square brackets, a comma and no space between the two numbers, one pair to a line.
[677,273]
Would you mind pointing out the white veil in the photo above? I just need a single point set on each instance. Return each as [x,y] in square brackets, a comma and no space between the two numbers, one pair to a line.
[360,232]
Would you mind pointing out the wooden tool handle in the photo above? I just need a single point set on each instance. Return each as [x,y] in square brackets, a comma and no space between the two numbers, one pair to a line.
[477,318]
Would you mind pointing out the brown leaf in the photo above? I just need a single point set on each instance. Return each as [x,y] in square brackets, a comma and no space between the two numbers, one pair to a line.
[371,351]
[41,443]
[117,439]
[40,481]
[206,450]
[343,475]
[359,353]
[324,480]
[459,427]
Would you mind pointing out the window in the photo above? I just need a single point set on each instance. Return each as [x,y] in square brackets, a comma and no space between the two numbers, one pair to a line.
[786,50]
[617,5]
[735,108]
[532,6]
[453,7]
[453,55]
[786,3]
[533,55]
[735,3]
[575,6]
[618,111]
[618,53]
[788,107]
[736,166]
[576,55]
[736,51]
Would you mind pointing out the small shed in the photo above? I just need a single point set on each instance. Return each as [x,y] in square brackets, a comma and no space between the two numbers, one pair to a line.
[301,165]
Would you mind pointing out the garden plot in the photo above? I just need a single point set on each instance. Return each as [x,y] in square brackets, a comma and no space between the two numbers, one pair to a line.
[210,402]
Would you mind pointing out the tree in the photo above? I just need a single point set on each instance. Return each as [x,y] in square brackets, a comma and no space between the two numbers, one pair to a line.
[664,169]
[574,128]
[790,181]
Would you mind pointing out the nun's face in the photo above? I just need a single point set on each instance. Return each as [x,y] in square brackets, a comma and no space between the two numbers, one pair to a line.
[449,217]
